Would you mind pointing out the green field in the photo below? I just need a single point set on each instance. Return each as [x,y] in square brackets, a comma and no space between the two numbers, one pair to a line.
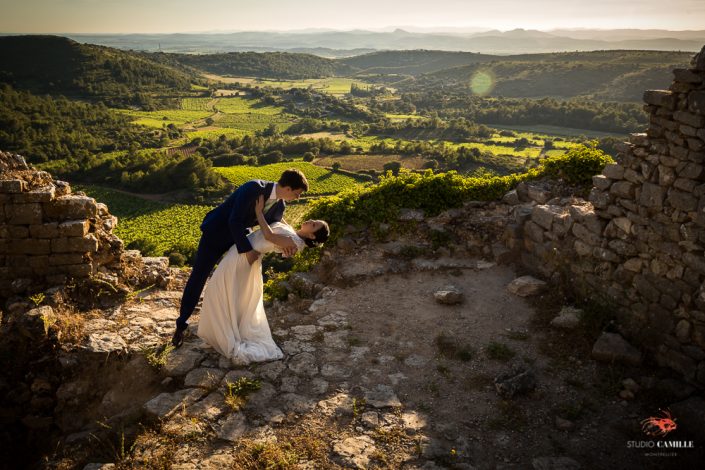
[402,117]
[333,85]
[167,225]
[321,181]
[547,130]
[252,122]
[197,104]
[161,118]
[211,133]
[238,105]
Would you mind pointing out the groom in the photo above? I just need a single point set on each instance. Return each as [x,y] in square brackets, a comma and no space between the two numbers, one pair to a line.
[229,224]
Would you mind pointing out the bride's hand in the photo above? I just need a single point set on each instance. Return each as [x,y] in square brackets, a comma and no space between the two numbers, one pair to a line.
[259,205]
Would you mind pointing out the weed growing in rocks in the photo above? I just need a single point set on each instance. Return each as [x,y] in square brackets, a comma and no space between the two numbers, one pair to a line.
[443,370]
[509,416]
[236,393]
[318,337]
[37,298]
[68,327]
[597,316]
[157,356]
[358,405]
[517,335]
[448,347]
[499,351]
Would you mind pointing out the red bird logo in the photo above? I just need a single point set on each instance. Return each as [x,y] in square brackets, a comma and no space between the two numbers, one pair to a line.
[655,426]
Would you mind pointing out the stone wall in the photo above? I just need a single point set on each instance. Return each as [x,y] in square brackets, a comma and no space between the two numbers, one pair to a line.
[48,234]
[639,240]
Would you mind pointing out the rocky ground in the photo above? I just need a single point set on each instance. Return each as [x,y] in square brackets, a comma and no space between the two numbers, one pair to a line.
[402,360]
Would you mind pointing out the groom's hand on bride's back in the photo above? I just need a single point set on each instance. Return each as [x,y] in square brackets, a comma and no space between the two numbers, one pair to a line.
[288,247]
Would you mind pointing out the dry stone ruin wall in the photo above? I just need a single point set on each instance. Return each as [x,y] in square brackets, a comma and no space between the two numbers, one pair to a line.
[48,235]
[640,239]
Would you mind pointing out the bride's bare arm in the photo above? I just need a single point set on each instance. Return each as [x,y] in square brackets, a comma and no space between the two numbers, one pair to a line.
[284,242]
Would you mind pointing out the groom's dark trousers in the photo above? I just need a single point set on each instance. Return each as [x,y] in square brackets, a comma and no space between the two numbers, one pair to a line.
[227,224]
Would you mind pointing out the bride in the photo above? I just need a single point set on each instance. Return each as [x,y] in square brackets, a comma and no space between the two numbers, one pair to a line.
[232,315]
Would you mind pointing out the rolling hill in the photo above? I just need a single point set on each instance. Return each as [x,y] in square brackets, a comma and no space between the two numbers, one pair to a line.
[276,65]
[604,75]
[414,62]
[61,66]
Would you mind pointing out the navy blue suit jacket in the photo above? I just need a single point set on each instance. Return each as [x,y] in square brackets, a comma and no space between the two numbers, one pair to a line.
[236,215]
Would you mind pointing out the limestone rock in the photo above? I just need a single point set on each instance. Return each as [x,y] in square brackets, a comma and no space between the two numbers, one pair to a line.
[204,377]
[105,342]
[449,295]
[337,319]
[567,319]
[355,451]
[370,419]
[335,371]
[182,360]
[611,347]
[232,428]
[525,286]
[304,364]
[382,396]
[517,380]
[165,404]
[411,215]
[211,408]
[416,360]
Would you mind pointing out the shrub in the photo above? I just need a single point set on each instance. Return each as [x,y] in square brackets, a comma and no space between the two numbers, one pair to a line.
[145,246]
[577,166]
[364,206]
[229,159]
[394,167]
[186,249]
[274,156]
[176,259]
[309,156]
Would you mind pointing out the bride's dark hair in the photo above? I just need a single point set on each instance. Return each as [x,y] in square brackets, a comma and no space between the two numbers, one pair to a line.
[320,236]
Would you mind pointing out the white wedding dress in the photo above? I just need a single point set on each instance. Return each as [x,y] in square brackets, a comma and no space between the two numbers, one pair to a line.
[232,315]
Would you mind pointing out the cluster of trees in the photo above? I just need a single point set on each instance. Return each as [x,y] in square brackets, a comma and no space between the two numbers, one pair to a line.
[309,125]
[307,102]
[150,172]
[253,150]
[365,91]
[90,143]
[577,113]
[457,129]
[43,128]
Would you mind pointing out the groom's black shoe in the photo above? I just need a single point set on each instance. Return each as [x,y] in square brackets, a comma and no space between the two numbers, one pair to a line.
[178,339]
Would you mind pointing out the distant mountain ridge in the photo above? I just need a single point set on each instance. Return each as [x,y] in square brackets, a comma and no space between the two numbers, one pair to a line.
[55,65]
[487,42]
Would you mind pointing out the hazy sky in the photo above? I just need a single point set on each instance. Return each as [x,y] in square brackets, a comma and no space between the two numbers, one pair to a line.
[165,16]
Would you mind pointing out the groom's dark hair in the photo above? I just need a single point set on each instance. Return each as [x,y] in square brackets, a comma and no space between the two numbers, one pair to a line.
[293,179]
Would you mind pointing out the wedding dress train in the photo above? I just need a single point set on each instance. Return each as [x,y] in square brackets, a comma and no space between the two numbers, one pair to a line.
[233,320]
